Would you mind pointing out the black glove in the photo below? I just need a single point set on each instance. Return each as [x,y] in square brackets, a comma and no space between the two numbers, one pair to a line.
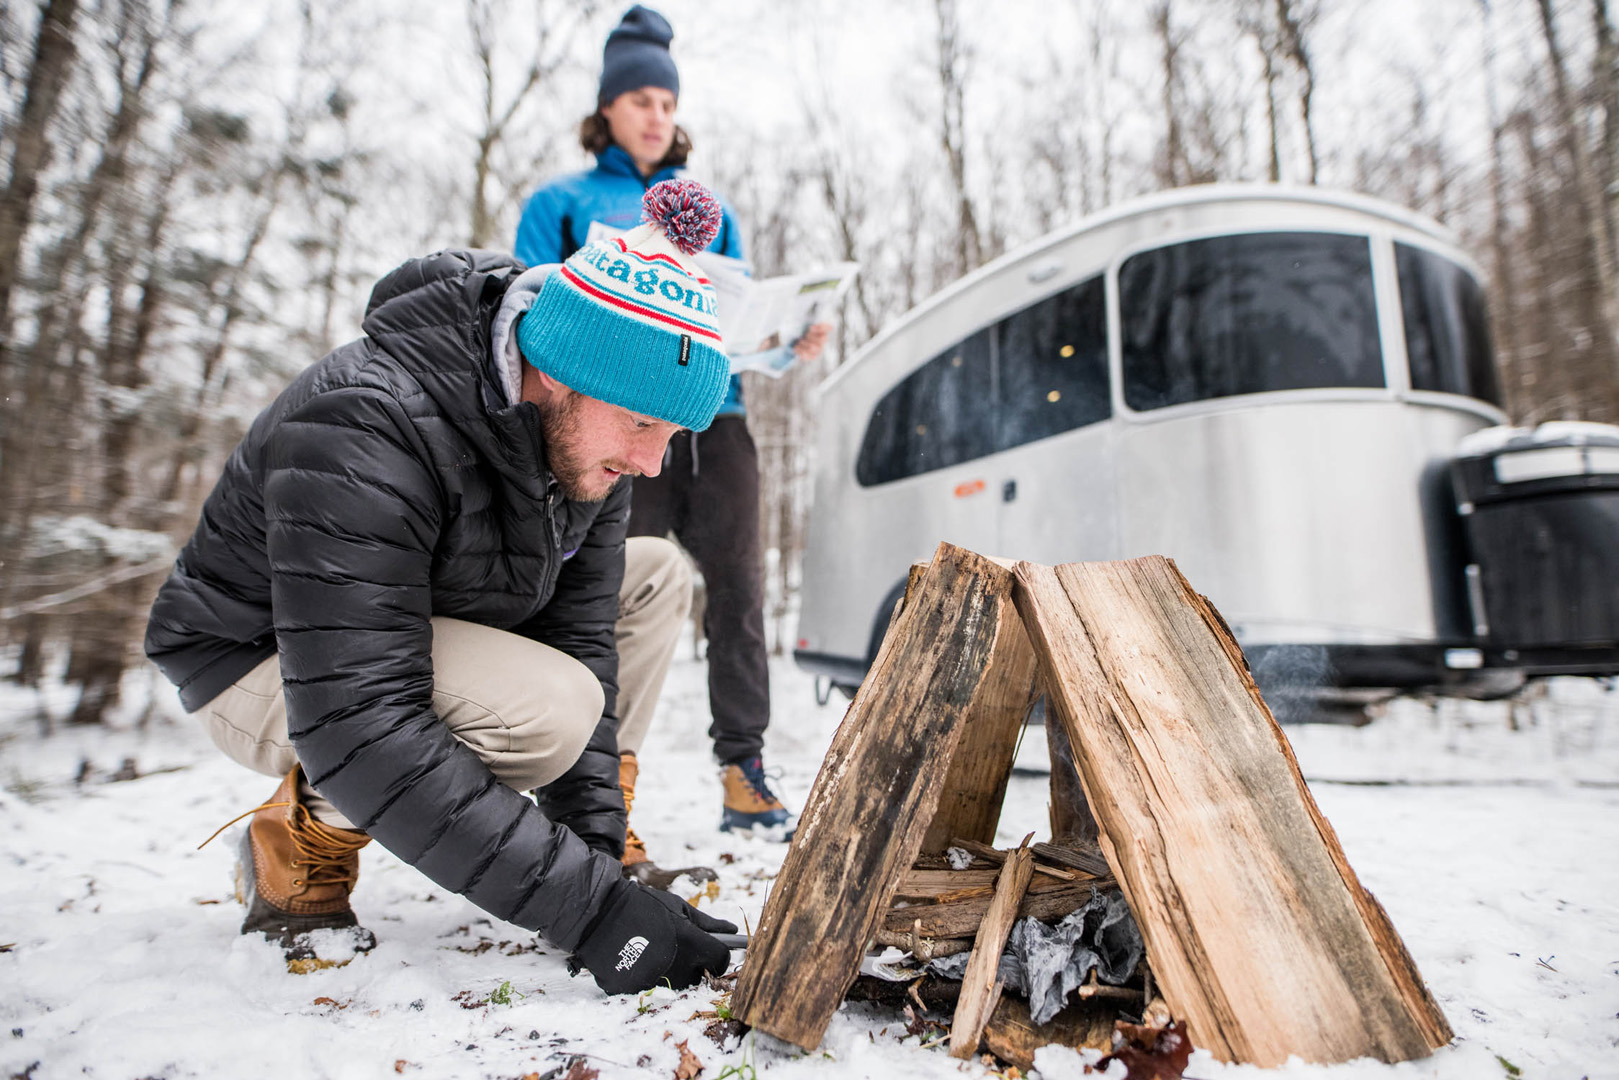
[645,937]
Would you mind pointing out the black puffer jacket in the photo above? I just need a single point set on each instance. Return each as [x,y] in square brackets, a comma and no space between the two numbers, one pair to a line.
[389,483]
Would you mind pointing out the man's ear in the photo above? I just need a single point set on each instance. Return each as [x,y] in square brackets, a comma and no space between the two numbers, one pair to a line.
[538,386]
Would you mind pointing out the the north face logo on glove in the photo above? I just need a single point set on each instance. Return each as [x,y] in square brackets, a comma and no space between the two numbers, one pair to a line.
[630,953]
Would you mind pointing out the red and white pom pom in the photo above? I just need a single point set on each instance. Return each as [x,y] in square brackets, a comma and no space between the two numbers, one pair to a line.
[686,211]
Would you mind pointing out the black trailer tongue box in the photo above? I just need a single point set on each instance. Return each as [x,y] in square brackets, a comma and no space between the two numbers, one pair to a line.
[1541,514]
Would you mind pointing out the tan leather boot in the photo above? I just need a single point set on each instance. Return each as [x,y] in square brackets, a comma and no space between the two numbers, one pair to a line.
[628,769]
[637,865]
[295,873]
[750,807]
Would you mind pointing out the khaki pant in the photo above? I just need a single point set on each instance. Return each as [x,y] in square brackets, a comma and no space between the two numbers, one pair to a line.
[526,709]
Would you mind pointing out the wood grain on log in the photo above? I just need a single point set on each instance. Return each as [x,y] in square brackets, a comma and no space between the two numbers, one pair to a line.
[1013,1036]
[1074,857]
[941,886]
[980,983]
[921,946]
[960,918]
[1089,864]
[975,786]
[877,791]
[928,884]
[932,992]
[1259,934]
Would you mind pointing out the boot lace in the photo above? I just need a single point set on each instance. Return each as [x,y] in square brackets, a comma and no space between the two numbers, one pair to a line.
[324,850]
[320,847]
[753,772]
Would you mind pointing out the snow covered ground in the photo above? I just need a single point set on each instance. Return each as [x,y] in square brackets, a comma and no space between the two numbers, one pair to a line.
[1495,851]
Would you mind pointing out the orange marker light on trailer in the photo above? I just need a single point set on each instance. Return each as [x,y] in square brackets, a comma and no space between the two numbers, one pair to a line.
[969,487]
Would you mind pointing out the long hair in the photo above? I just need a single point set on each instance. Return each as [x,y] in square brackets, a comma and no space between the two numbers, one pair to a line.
[595,136]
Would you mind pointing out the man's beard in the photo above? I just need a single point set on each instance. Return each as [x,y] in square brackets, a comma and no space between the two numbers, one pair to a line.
[576,473]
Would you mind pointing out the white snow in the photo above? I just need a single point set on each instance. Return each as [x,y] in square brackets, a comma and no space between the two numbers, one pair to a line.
[1495,851]
[1552,433]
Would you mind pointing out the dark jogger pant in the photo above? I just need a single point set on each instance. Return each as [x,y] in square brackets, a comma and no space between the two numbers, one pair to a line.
[708,496]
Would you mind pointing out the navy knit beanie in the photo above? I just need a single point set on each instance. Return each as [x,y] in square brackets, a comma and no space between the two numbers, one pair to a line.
[632,321]
[637,55]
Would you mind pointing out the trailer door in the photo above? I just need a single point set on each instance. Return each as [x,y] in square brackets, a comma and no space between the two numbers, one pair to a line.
[1054,477]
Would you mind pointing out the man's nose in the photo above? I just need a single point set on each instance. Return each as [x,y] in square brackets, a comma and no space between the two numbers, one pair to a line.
[647,454]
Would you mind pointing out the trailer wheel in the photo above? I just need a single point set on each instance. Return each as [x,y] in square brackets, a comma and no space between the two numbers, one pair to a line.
[885,614]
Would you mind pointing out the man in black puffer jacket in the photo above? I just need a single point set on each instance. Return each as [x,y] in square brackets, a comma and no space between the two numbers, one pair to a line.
[403,592]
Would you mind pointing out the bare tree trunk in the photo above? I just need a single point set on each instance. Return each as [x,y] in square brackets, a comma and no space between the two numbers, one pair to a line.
[31,659]
[30,418]
[52,64]
[1290,23]
[1540,381]
[1505,291]
[1255,21]
[1102,78]
[54,54]
[1173,168]
[1274,172]
[100,638]
[329,279]
[911,287]
[236,277]
[952,82]
[848,213]
[1590,200]
[549,55]
[1605,91]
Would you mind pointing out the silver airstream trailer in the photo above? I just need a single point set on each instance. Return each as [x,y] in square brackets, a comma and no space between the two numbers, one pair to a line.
[1267,384]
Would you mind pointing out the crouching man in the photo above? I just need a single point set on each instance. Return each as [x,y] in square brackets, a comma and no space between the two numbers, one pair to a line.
[402,594]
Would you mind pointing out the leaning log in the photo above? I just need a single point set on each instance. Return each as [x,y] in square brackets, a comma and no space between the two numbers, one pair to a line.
[876,793]
[1258,931]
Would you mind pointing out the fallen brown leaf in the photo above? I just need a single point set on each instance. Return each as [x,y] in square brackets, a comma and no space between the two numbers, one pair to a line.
[1151,1053]
[689,1068]
[578,1070]
[719,1031]
[399,1066]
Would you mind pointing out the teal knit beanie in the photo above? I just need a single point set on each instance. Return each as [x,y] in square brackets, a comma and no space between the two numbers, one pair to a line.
[631,321]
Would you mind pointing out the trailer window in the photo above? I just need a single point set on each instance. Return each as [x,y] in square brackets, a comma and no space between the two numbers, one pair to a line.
[1447,336]
[1246,314]
[937,417]
[1051,366]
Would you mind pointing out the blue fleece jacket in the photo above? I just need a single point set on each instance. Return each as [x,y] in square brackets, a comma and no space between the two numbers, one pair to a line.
[556,219]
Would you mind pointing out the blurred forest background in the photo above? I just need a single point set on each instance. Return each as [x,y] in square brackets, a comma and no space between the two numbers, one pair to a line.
[198,195]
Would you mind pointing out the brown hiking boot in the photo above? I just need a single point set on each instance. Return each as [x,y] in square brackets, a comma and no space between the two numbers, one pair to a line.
[295,875]
[634,850]
[750,807]
[635,862]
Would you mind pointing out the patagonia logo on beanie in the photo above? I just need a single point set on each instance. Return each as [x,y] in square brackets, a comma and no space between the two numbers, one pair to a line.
[637,55]
[632,321]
